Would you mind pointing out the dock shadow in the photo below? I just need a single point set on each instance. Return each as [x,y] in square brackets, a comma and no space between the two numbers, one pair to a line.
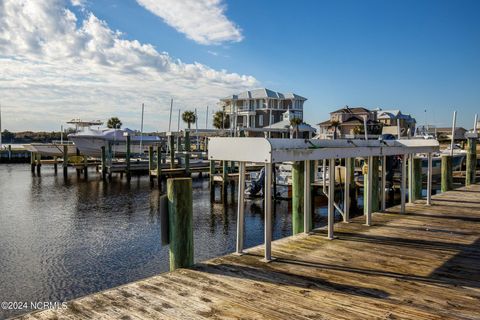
[267,274]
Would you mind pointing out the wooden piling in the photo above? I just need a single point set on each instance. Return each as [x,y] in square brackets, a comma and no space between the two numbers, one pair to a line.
[150,163]
[159,165]
[180,214]
[171,145]
[9,148]
[211,180]
[298,172]
[224,180]
[104,163]
[187,152]
[127,157]
[374,205]
[65,160]
[39,163]
[447,178]
[416,192]
[85,167]
[33,159]
[55,164]
[471,161]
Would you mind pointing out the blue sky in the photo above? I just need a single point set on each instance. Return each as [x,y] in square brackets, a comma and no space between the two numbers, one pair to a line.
[412,55]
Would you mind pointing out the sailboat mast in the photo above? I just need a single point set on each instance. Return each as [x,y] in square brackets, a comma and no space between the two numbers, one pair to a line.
[141,129]
[178,124]
[453,131]
[170,117]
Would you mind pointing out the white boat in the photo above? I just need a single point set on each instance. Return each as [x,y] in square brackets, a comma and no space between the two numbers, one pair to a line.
[90,141]
[51,149]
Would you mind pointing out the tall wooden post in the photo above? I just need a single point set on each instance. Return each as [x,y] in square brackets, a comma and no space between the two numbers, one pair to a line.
[85,167]
[331,198]
[373,191]
[346,194]
[65,160]
[187,151]
[241,207]
[224,180]
[180,217]
[159,165]
[403,184]
[268,212]
[104,163]
[447,178]
[9,148]
[307,195]
[39,163]
[171,146]
[471,161]
[127,157]
[416,192]
[150,163]
[55,164]
[211,179]
[298,176]
[33,159]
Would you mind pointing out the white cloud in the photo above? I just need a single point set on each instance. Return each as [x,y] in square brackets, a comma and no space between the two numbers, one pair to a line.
[203,21]
[54,67]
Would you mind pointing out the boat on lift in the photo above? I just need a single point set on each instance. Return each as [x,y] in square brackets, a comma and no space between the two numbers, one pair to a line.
[90,141]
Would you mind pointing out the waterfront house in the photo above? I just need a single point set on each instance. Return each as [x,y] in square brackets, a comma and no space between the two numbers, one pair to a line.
[265,112]
[391,118]
[349,121]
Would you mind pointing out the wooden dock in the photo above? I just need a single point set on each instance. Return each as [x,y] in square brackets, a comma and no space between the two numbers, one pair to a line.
[424,264]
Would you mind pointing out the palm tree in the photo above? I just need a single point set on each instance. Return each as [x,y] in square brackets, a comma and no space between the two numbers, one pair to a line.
[295,122]
[189,117]
[335,124]
[114,123]
[221,120]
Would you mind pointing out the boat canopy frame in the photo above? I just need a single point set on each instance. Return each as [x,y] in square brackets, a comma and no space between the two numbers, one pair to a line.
[271,151]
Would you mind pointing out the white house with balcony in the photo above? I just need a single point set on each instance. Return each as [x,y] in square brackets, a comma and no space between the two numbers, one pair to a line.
[261,108]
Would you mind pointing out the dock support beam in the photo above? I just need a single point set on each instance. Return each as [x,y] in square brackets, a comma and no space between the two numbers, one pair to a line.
[331,197]
[159,166]
[447,179]
[410,178]
[346,194]
[471,161]
[104,163]
[171,147]
[268,212]
[224,180]
[211,180]
[241,207]
[383,185]
[39,163]
[368,190]
[150,163]
[33,159]
[416,192]
[127,159]
[187,151]
[403,184]
[65,160]
[429,179]
[307,204]
[298,196]
[180,216]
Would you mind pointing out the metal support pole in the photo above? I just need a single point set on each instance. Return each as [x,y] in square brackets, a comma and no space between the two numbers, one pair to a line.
[429,179]
[403,183]
[346,195]
[410,178]
[324,175]
[241,207]
[384,182]
[268,212]
[307,210]
[331,197]
[370,186]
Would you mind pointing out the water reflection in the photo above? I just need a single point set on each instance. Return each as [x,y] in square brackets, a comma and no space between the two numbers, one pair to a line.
[64,238]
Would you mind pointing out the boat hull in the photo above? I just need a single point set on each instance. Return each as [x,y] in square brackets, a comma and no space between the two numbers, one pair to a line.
[51,149]
[92,146]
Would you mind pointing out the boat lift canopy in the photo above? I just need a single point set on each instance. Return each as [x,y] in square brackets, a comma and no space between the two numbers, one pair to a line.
[271,151]
[264,150]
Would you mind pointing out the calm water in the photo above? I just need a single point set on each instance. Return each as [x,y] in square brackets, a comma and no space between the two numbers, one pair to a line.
[63,239]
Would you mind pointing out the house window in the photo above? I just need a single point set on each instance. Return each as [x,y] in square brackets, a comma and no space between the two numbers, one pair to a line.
[260,120]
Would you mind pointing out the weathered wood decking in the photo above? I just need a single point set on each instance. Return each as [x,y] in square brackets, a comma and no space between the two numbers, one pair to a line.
[421,265]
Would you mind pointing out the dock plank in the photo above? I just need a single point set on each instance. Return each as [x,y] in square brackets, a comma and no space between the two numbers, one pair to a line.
[424,264]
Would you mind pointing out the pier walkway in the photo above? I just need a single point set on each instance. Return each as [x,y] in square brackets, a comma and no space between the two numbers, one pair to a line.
[424,264]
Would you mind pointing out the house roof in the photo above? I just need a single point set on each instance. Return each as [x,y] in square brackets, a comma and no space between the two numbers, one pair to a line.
[263,93]
[285,124]
[393,114]
[354,110]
